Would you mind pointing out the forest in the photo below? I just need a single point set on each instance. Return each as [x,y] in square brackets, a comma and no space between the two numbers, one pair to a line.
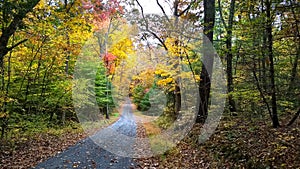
[195,83]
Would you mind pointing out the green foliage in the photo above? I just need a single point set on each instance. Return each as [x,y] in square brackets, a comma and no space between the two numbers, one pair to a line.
[145,102]
[141,98]
[25,126]
[103,89]
[167,118]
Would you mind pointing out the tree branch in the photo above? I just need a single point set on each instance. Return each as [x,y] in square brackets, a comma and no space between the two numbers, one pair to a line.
[17,44]
[162,9]
[68,9]
[187,8]
[294,118]
[221,15]
[147,27]
[261,92]
[8,31]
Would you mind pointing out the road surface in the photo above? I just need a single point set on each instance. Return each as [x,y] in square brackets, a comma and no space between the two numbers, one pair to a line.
[87,154]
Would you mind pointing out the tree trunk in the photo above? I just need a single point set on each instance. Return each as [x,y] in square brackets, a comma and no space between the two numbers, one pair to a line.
[297,40]
[263,64]
[208,58]
[229,55]
[8,31]
[271,58]
[68,56]
[294,118]
[294,69]
[177,99]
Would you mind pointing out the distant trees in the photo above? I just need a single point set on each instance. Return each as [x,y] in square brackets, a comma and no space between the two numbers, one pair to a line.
[173,31]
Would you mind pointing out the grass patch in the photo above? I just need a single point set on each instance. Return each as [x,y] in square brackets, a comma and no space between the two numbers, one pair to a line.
[160,144]
[151,129]
[27,126]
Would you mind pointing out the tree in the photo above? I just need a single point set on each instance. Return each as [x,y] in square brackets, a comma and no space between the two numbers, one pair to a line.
[177,29]
[104,15]
[12,16]
[35,70]
[102,91]
[271,59]
[262,57]
[229,53]
[208,59]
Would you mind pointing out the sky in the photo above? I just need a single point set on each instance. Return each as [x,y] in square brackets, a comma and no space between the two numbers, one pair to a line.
[151,7]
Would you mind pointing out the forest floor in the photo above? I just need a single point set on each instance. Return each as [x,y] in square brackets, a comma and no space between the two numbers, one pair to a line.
[26,150]
[238,142]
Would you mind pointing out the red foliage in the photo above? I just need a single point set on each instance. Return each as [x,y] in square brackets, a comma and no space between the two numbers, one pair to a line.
[109,57]
[109,62]
[102,10]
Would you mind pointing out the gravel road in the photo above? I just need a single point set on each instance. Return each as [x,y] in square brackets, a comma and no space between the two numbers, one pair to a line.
[87,154]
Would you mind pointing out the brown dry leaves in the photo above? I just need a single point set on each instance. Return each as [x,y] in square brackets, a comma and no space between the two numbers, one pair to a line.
[237,143]
[27,153]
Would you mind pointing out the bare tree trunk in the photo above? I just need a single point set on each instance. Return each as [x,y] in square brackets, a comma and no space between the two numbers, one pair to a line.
[177,99]
[271,58]
[206,72]
[297,40]
[229,54]
[263,64]
[294,118]
[295,66]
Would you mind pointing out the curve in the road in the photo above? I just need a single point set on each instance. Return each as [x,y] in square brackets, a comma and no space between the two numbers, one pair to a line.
[93,152]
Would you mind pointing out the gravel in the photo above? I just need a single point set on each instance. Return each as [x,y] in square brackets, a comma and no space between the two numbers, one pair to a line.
[87,154]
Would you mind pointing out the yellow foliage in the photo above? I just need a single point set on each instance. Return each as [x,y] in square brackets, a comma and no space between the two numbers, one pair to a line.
[52,36]
[147,78]
[172,88]
[169,80]
[175,47]
[122,49]
[165,82]
[164,75]
[158,72]
[197,78]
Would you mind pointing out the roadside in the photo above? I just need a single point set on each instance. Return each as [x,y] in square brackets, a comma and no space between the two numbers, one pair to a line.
[26,151]
[238,142]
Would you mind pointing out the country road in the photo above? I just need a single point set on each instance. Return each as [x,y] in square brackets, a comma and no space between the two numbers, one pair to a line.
[88,154]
